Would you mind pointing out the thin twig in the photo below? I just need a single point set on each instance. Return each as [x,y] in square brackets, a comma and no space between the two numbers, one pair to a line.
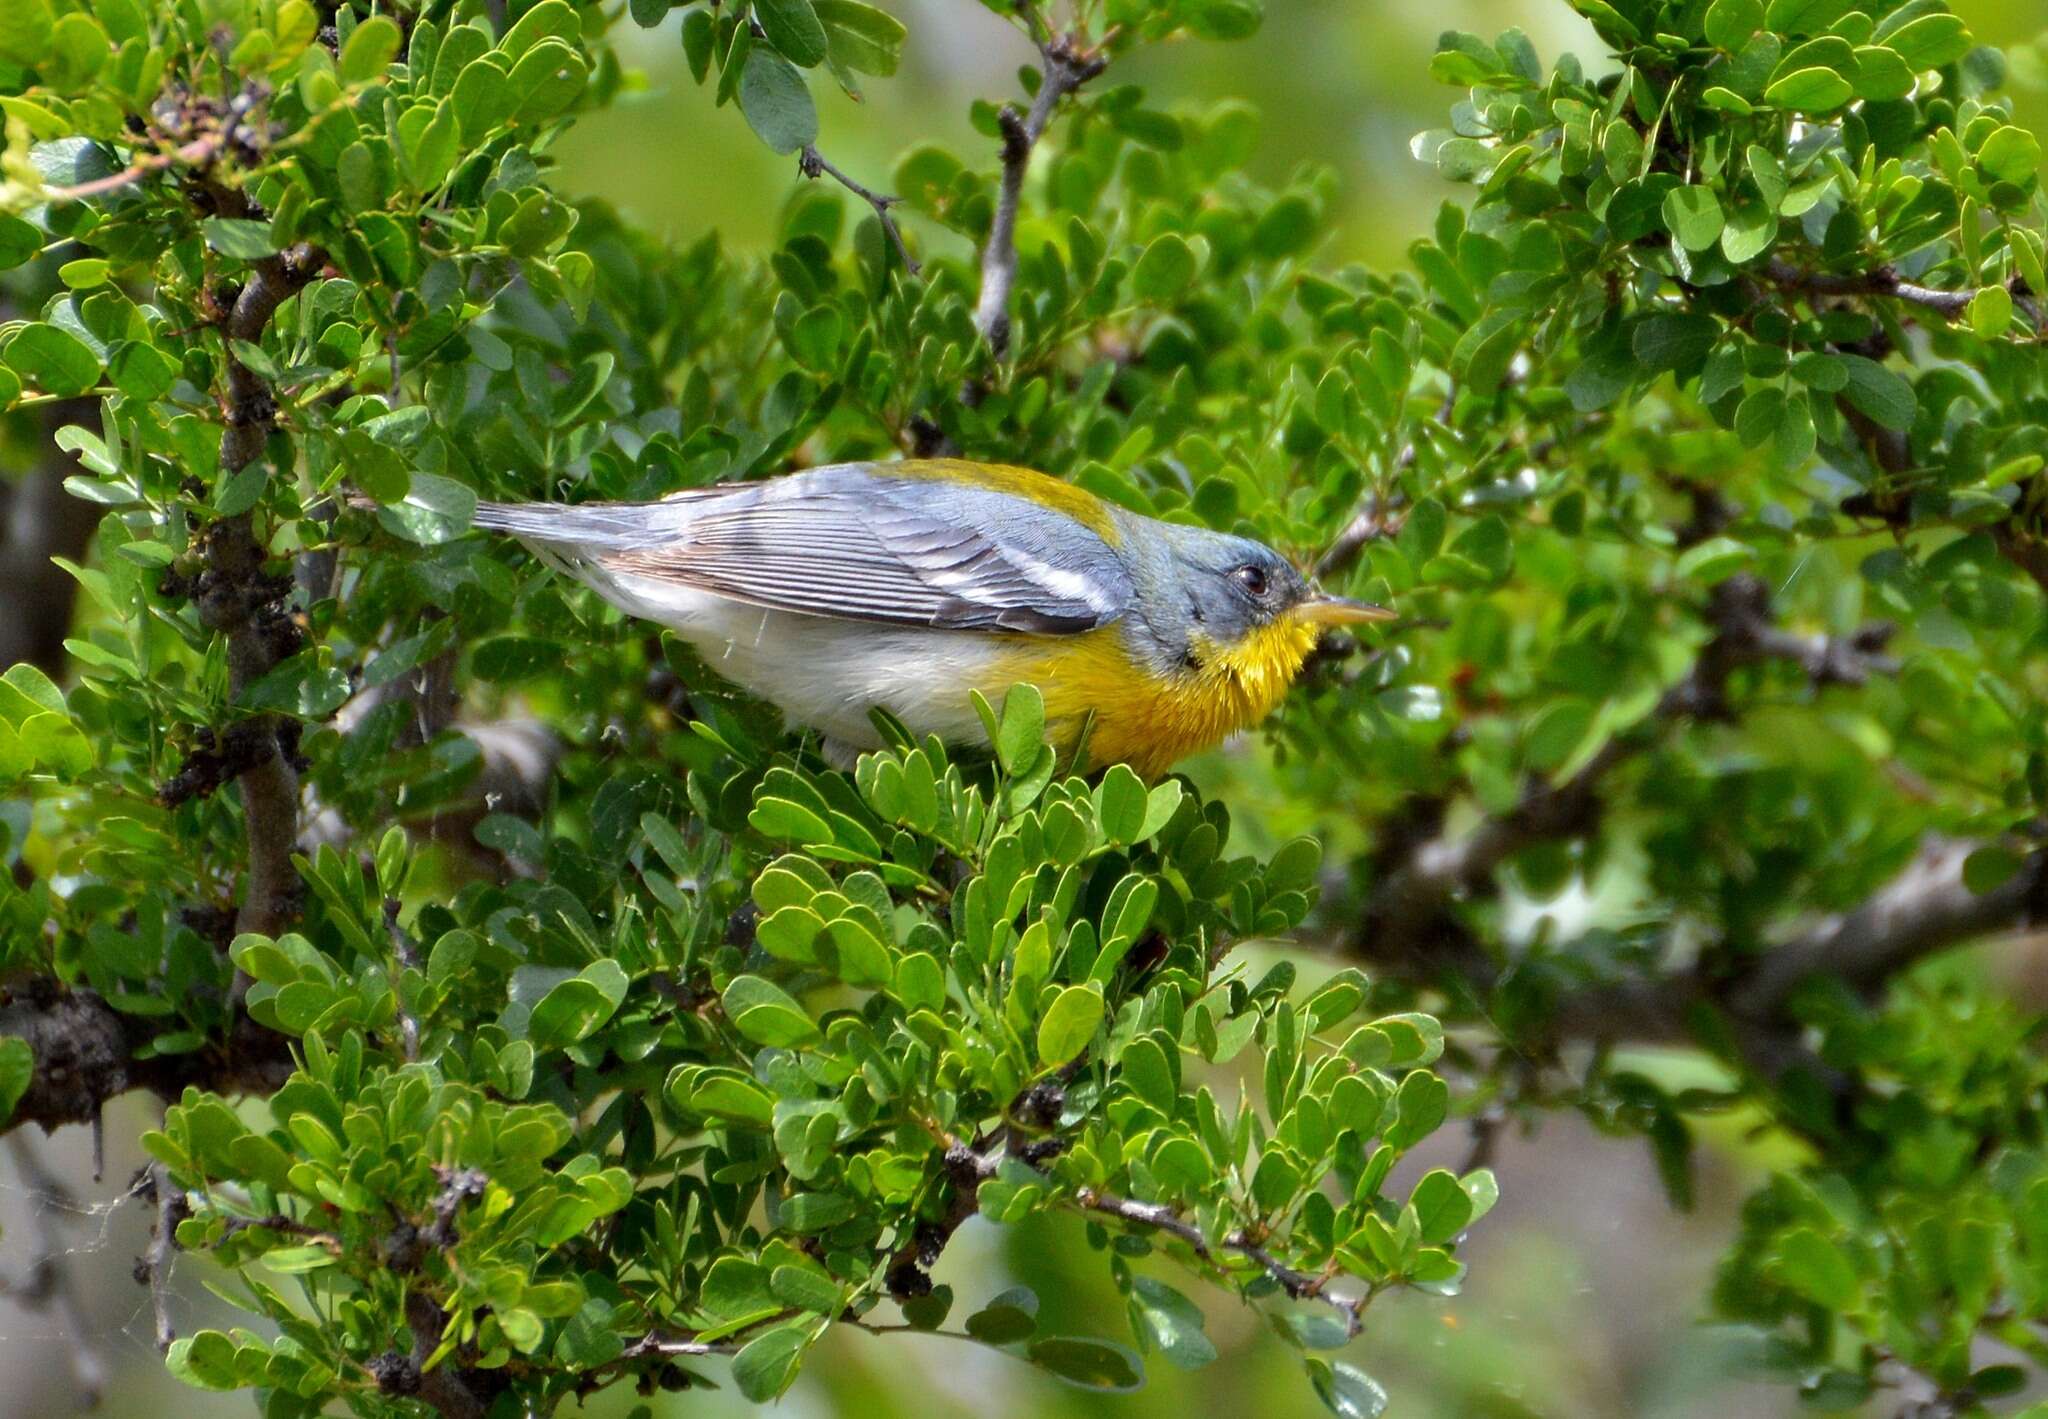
[971,1166]
[1885,281]
[657,1343]
[1300,1285]
[1066,67]
[810,162]
[1378,516]
[193,154]
[155,1268]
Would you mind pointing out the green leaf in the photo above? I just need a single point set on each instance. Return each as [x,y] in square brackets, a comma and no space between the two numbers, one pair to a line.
[547,79]
[2010,155]
[296,1261]
[52,360]
[1088,1363]
[793,27]
[1730,23]
[17,1072]
[1164,270]
[1750,231]
[735,1287]
[788,820]
[1881,393]
[765,1367]
[1069,1023]
[20,239]
[1023,728]
[1757,420]
[237,238]
[25,690]
[1006,1320]
[1674,340]
[576,1008]
[1881,75]
[370,50]
[1811,90]
[549,20]
[1930,41]
[1693,216]
[766,1014]
[1989,868]
[860,37]
[140,370]
[1349,1392]
[806,1289]
[1223,19]
[1295,866]
[1991,312]
[25,30]
[1797,17]
[777,103]
[1171,1322]
[1818,1269]
[205,1361]
[1120,803]
[1441,1206]
[1713,560]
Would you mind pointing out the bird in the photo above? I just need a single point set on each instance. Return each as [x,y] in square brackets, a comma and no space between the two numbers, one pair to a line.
[903,585]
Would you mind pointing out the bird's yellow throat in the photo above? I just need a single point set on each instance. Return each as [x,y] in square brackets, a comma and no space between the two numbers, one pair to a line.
[1149,719]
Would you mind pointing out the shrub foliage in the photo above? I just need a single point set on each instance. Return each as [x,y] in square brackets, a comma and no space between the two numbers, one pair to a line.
[586,1027]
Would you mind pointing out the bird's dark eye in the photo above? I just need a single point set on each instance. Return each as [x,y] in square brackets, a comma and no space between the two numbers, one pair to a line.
[1252,578]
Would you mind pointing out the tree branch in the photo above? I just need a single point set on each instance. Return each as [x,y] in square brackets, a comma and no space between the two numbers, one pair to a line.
[238,598]
[1410,899]
[1925,909]
[85,1056]
[1067,66]
[810,162]
[443,1387]
[1885,281]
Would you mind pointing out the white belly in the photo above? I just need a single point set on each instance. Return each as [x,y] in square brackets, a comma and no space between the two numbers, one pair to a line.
[824,673]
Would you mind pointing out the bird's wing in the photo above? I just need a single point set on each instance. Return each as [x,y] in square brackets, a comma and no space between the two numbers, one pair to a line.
[855,542]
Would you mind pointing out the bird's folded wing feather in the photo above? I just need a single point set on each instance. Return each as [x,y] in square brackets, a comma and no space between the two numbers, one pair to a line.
[854,544]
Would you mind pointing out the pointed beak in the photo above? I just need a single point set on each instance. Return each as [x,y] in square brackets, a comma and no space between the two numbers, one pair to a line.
[1340,611]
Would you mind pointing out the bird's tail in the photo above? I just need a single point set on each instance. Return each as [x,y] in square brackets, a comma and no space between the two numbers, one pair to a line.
[605,526]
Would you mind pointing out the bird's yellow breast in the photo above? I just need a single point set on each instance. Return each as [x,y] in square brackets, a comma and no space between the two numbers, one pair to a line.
[1149,719]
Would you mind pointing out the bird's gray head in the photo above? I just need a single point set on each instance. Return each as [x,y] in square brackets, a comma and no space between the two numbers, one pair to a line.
[1210,592]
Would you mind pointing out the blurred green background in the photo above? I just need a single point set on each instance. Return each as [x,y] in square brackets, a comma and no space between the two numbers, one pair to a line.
[1587,1290]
